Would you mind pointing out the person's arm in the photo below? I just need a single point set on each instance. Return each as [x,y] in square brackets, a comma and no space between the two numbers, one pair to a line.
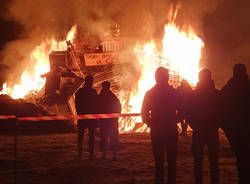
[189,110]
[77,101]
[179,106]
[97,103]
[145,110]
[116,105]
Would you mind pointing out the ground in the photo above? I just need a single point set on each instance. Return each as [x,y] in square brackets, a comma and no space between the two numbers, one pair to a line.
[52,159]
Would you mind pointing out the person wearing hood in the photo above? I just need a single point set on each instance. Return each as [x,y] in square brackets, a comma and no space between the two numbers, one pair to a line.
[108,104]
[159,112]
[236,120]
[203,113]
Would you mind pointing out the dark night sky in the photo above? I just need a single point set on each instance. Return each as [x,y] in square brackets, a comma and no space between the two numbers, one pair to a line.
[224,25]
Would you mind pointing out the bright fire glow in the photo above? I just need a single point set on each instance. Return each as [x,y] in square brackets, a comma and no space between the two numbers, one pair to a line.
[180,54]
[182,51]
[40,58]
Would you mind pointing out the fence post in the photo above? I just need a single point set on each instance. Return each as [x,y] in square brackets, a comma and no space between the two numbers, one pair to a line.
[15,149]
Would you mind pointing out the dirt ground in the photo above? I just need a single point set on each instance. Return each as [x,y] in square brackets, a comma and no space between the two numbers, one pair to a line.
[52,159]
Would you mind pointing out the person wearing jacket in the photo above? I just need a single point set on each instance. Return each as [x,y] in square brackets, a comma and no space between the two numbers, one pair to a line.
[86,102]
[109,103]
[203,116]
[236,121]
[159,112]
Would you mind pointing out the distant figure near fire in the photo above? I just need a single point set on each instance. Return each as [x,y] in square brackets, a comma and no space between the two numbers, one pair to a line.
[86,103]
[236,121]
[109,103]
[159,112]
[184,92]
[203,116]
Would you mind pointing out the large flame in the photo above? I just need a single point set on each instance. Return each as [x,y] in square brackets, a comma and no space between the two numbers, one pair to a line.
[181,52]
[180,55]
[40,59]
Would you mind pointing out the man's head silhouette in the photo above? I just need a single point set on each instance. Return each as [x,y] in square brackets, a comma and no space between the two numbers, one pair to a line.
[88,81]
[161,76]
[239,69]
[205,76]
[106,85]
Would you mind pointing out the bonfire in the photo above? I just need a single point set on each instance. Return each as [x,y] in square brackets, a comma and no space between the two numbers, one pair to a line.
[105,60]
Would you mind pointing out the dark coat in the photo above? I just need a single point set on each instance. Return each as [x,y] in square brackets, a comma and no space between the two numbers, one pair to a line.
[184,92]
[108,102]
[236,105]
[86,102]
[203,109]
[159,109]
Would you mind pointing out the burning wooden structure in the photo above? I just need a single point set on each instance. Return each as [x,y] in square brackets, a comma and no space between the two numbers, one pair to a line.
[68,69]
[130,71]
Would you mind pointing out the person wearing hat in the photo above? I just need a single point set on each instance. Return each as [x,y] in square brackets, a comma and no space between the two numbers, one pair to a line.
[236,119]
[109,104]
[203,116]
[159,108]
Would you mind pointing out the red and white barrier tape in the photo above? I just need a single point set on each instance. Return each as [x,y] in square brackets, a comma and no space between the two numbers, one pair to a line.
[68,117]
[7,117]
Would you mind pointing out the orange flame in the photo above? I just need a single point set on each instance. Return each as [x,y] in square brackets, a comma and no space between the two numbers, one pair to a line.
[181,54]
[40,57]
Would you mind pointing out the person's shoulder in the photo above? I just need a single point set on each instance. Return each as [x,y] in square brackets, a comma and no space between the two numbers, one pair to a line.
[79,91]
[173,90]
[93,91]
[217,91]
[112,95]
[179,88]
[248,82]
[151,91]
[116,99]
[228,85]
[194,92]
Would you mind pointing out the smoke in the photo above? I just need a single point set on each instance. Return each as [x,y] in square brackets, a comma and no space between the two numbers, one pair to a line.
[140,21]
[227,38]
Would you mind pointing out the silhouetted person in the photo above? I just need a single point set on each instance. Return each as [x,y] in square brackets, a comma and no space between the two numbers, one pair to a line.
[203,118]
[236,124]
[86,103]
[109,103]
[159,112]
[184,92]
